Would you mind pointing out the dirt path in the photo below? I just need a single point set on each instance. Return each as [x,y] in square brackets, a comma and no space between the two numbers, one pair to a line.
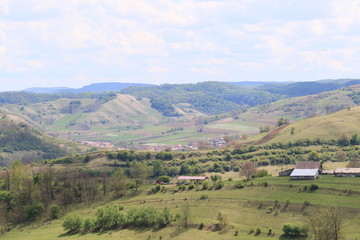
[271,135]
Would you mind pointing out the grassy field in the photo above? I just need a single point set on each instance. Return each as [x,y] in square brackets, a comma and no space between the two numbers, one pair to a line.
[246,209]
[325,127]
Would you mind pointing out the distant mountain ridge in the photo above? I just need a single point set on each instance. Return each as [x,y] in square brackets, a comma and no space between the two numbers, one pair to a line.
[95,87]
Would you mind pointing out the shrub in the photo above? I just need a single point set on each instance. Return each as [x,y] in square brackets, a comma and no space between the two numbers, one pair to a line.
[258,231]
[201,226]
[72,223]
[165,179]
[218,185]
[54,211]
[313,187]
[87,225]
[34,211]
[262,173]
[191,186]
[205,185]
[204,197]
[239,185]
[295,230]
[110,216]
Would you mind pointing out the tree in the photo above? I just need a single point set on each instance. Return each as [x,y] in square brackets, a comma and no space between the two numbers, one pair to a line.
[327,224]
[139,173]
[185,217]
[314,156]
[248,169]
[158,169]
[292,130]
[119,182]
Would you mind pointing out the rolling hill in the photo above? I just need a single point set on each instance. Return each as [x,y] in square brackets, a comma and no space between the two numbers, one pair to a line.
[330,126]
[20,141]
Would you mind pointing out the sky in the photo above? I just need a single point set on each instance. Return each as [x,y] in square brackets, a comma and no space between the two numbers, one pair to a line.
[72,43]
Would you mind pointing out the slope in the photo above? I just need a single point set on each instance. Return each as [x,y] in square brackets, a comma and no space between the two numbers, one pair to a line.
[20,141]
[331,126]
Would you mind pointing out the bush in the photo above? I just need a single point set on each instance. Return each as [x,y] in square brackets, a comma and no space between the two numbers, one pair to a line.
[239,185]
[109,217]
[218,185]
[191,186]
[72,223]
[165,179]
[34,211]
[54,211]
[205,185]
[313,187]
[258,231]
[204,197]
[262,173]
[87,225]
[295,230]
[201,226]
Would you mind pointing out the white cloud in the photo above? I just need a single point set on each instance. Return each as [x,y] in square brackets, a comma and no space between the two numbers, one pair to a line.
[175,41]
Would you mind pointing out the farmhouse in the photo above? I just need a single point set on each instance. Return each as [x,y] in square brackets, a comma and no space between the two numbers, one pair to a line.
[347,172]
[298,174]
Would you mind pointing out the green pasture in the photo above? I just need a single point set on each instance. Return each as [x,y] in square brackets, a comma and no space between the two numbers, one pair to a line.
[245,209]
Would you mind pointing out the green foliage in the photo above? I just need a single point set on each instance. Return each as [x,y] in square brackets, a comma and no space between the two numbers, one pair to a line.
[110,216]
[295,230]
[261,173]
[34,211]
[54,211]
[20,137]
[87,225]
[208,97]
[72,223]
[218,185]
[165,179]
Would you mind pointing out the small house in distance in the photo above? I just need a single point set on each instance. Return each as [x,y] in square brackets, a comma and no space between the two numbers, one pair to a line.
[193,178]
[347,172]
[304,174]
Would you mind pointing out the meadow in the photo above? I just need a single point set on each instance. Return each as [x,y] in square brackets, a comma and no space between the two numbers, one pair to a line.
[258,205]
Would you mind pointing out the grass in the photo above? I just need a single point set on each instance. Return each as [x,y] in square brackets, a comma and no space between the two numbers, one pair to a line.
[325,127]
[245,209]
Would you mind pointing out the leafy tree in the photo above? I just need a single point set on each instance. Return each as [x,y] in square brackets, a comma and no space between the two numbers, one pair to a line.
[314,156]
[158,169]
[139,172]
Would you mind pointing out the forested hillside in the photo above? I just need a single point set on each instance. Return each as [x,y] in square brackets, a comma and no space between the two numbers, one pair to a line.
[207,97]
[307,88]
[20,140]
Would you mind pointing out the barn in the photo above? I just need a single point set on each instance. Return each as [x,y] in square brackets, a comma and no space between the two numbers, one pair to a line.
[304,174]
[347,172]
[193,178]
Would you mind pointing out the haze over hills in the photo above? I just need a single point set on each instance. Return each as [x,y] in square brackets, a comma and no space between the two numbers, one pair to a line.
[173,114]
[95,87]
